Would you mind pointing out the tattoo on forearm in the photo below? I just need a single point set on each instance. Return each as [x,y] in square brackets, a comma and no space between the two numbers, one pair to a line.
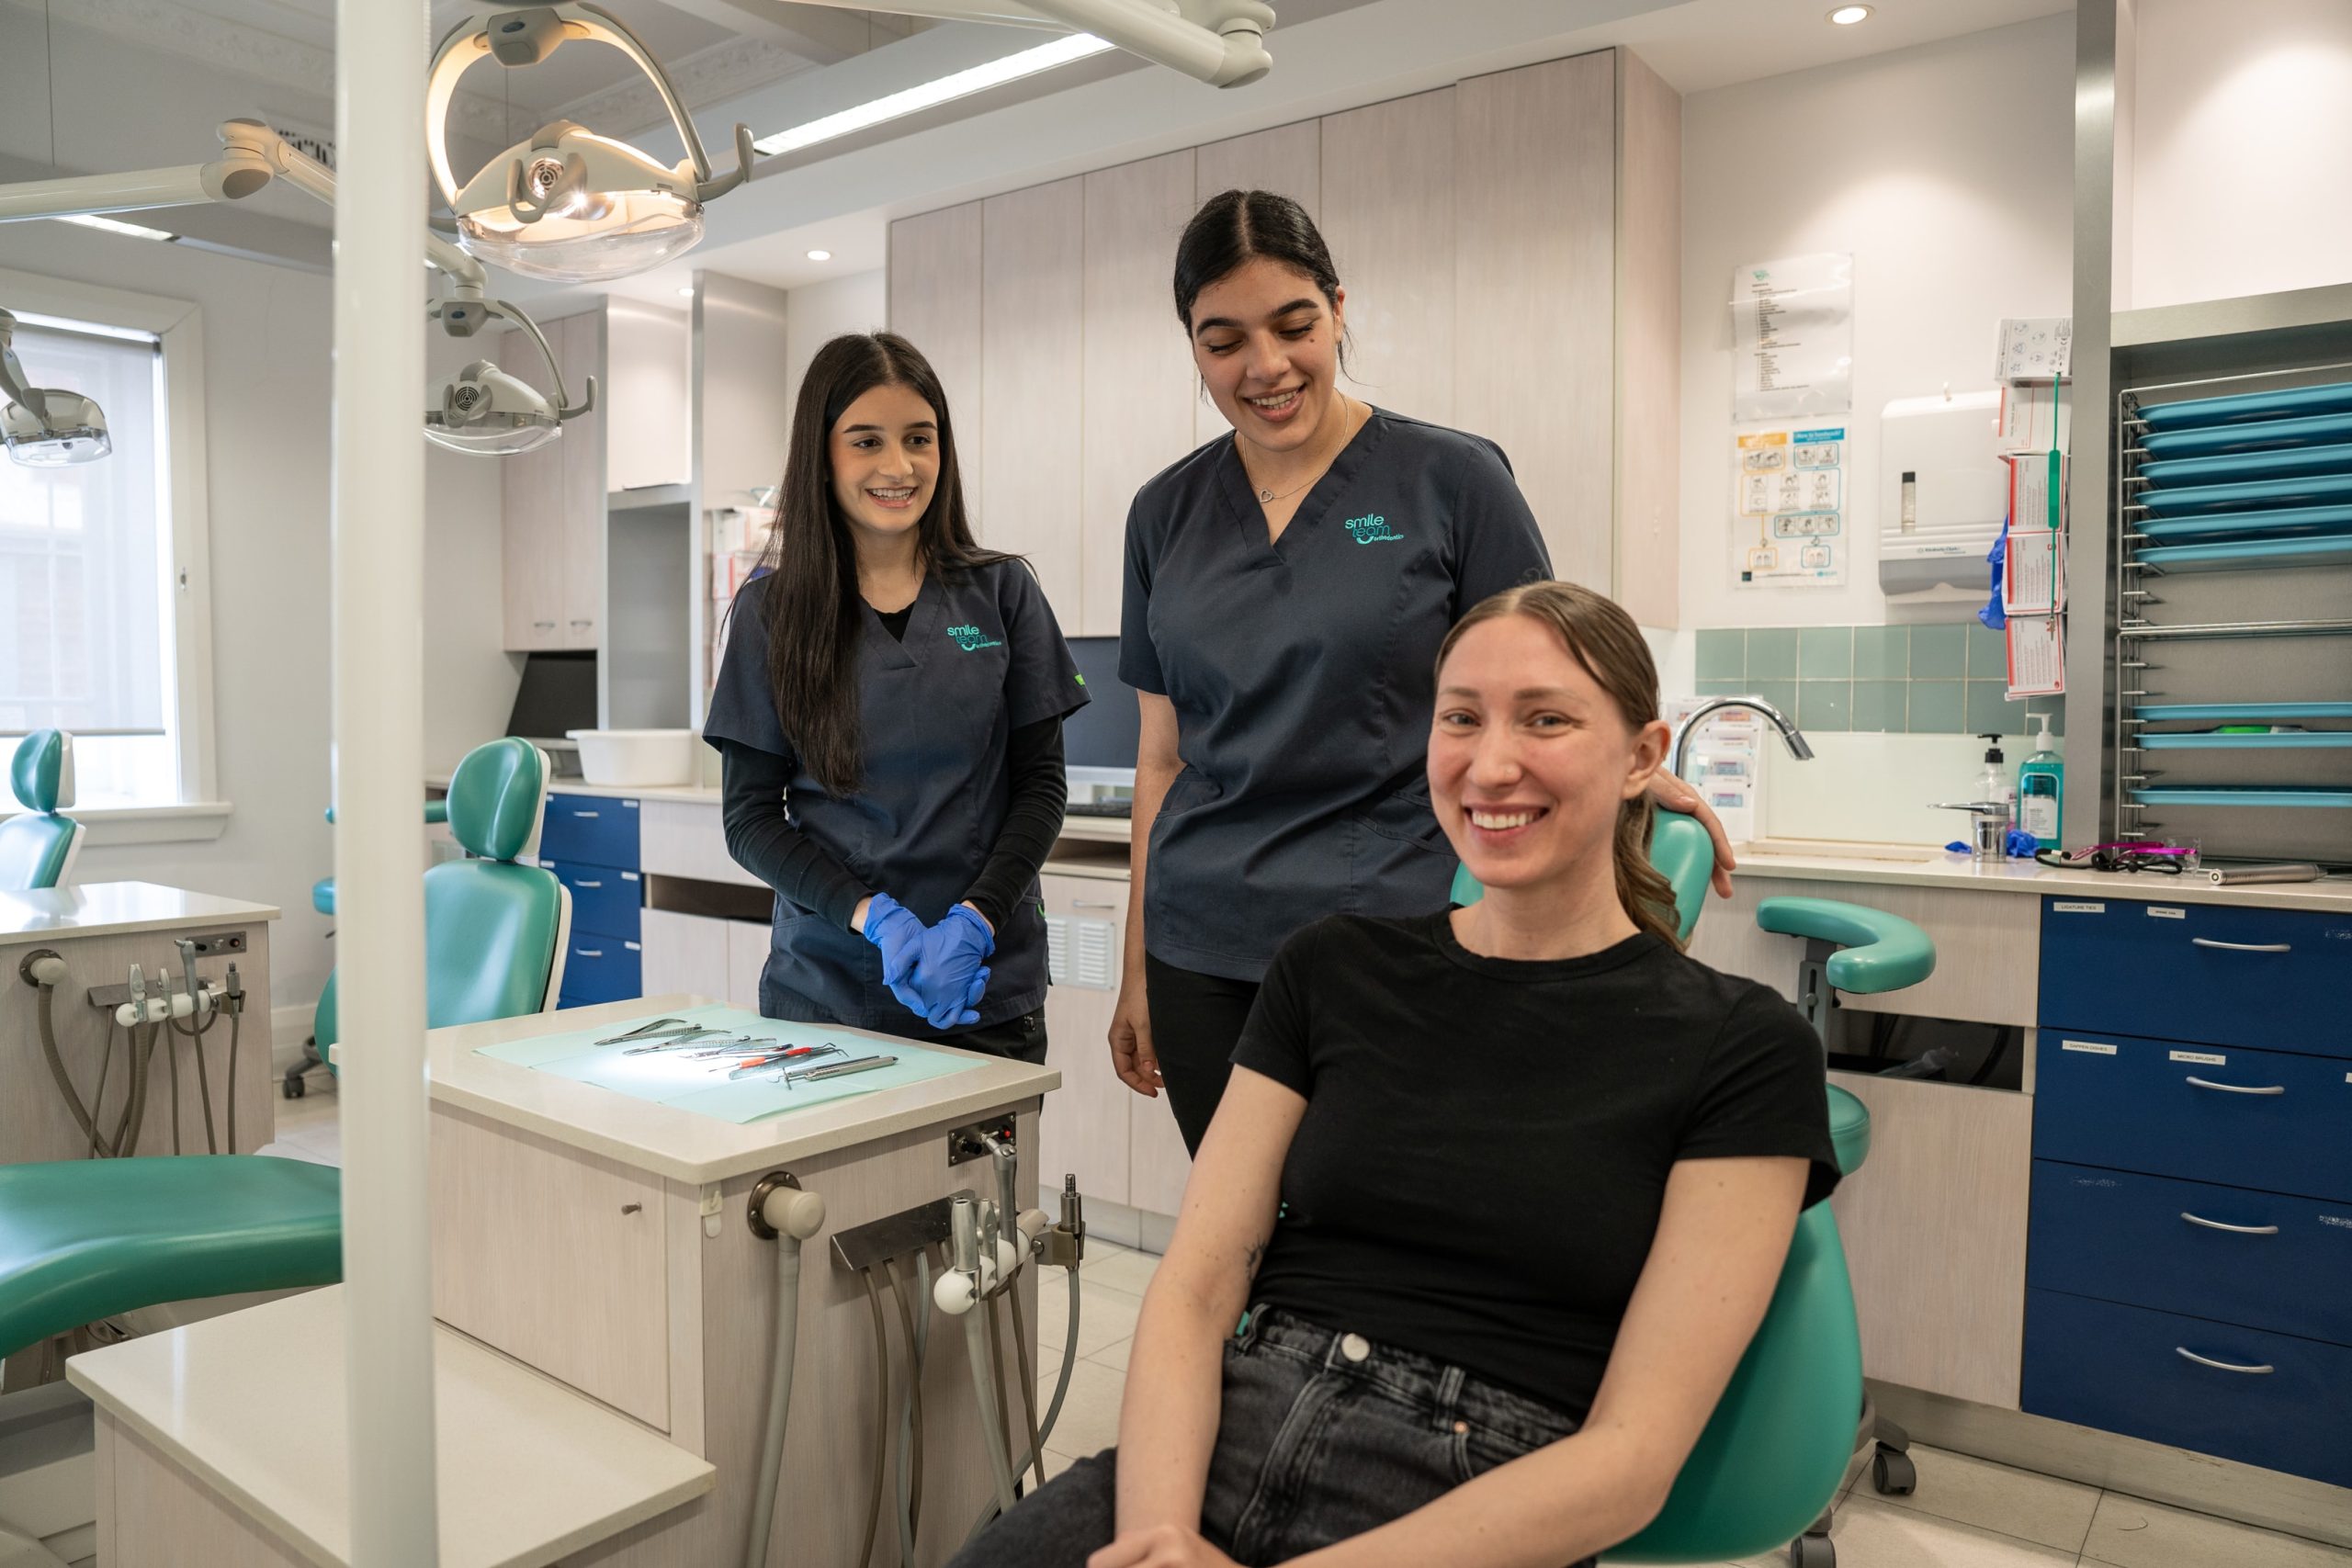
[1255,1256]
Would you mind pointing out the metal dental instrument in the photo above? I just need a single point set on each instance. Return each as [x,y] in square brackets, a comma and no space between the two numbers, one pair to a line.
[660,1026]
[838,1069]
[714,1039]
[752,1065]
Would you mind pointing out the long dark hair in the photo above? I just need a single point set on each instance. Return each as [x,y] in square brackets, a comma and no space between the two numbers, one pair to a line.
[1600,635]
[811,592]
[1235,226]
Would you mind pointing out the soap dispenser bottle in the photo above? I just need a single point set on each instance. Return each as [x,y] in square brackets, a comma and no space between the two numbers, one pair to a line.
[2042,787]
[1997,786]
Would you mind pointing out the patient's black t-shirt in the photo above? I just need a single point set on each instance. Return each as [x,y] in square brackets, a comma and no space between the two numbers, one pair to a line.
[1485,1146]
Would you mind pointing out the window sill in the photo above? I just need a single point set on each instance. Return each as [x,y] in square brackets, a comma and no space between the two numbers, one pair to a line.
[198,822]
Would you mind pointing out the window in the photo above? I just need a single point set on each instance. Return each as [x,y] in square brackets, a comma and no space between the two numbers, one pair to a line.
[104,616]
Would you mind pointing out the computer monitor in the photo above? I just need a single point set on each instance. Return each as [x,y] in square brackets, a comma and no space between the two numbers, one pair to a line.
[1101,737]
[558,694]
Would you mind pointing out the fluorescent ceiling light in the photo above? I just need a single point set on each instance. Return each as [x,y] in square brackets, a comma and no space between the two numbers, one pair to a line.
[1847,16]
[687,292]
[930,95]
[821,256]
[116,226]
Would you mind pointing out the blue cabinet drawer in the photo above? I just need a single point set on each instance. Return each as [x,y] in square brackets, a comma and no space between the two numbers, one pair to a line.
[602,969]
[2127,1369]
[2272,979]
[604,900]
[2259,1119]
[2222,1253]
[593,828]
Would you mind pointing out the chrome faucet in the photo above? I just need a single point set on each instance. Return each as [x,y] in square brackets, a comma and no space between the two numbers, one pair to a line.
[1790,733]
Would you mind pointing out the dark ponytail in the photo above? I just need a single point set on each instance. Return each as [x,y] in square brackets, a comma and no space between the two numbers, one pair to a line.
[810,596]
[1235,226]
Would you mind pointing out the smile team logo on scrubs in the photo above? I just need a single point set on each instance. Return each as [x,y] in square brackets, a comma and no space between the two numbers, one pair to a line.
[1372,530]
[971,639]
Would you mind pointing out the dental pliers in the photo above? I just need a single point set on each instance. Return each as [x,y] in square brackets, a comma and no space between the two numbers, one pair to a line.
[717,1039]
[661,1028]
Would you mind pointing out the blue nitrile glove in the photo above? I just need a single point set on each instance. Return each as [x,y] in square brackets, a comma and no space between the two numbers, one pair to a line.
[892,926]
[950,974]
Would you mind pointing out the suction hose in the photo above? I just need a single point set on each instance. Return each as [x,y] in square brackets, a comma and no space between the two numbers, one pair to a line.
[782,1213]
[965,1223]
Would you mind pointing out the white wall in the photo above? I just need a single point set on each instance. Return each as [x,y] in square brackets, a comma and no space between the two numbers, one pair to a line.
[1947,172]
[858,303]
[2243,148]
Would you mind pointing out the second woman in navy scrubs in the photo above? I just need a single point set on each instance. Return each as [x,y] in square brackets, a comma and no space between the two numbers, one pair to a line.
[889,710]
[1287,590]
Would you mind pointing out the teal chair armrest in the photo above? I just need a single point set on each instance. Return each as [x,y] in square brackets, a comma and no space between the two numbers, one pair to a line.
[1879,952]
[435,811]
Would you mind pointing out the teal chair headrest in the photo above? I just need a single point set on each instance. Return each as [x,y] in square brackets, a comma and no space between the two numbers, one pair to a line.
[1680,851]
[42,773]
[495,798]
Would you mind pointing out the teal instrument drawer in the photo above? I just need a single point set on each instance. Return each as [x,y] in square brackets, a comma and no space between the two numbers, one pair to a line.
[2265,1399]
[2222,1253]
[605,900]
[2255,1119]
[593,828]
[2273,978]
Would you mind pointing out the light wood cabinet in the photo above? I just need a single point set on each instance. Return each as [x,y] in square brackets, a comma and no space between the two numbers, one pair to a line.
[1135,214]
[648,385]
[1511,248]
[1031,271]
[552,554]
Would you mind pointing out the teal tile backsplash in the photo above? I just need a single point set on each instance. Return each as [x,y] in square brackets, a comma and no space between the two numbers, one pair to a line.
[1938,680]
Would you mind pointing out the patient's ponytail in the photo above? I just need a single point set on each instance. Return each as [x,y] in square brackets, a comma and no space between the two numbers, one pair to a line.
[1600,635]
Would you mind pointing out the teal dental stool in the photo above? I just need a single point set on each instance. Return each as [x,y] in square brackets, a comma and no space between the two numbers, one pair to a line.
[1773,1454]
[37,846]
[82,1240]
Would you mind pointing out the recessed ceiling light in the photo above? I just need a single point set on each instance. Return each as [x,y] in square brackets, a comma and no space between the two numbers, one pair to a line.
[821,256]
[687,292]
[116,226]
[1847,16]
[944,89]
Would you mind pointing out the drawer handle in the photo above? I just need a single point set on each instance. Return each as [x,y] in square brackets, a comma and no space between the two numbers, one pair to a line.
[2233,1230]
[2242,946]
[2237,1088]
[1093,904]
[2222,1366]
[586,814]
[587,953]
[586,884]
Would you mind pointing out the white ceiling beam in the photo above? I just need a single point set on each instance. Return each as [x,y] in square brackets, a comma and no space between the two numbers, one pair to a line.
[818,33]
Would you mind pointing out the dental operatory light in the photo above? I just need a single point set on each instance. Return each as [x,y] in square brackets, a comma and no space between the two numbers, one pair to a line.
[930,95]
[45,427]
[486,410]
[566,204]
[1847,16]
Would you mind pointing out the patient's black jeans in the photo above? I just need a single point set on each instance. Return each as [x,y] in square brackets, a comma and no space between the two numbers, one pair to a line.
[1313,1446]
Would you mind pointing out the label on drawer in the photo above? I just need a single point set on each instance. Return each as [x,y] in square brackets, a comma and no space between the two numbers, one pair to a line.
[2093,1046]
[2158,913]
[2205,1058]
[2064,909]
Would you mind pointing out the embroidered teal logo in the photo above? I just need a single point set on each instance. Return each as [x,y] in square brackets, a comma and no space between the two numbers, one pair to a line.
[1372,530]
[971,639]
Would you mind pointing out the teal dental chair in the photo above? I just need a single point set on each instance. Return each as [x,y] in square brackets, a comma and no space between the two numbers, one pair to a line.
[37,846]
[82,1240]
[1768,1465]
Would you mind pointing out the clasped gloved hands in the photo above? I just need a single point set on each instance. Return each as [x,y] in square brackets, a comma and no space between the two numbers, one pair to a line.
[937,971]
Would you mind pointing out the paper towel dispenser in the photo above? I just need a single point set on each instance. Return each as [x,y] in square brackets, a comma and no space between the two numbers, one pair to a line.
[1942,496]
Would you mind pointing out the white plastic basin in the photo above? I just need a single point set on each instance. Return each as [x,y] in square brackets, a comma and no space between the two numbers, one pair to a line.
[635,757]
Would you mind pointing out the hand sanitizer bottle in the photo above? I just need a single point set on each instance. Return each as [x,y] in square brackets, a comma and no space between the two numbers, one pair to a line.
[2042,787]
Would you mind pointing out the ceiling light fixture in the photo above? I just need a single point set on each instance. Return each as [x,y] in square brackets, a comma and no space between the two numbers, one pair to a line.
[489,412]
[42,426]
[566,204]
[1847,16]
[930,95]
[821,256]
[116,226]
[687,292]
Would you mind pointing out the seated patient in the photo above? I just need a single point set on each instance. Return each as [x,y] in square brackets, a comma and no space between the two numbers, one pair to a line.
[1505,1190]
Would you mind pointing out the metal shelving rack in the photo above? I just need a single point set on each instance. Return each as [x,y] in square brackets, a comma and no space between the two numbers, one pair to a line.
[2250,631]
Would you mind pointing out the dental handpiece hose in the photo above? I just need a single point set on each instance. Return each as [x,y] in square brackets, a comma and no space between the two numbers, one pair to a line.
[1006,1158]
[964,1227]
[794,1216]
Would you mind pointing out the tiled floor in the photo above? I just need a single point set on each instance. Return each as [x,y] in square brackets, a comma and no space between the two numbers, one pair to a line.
[1967,1513]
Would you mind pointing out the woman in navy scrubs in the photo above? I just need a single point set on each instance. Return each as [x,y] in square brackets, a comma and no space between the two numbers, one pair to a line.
[889,711]
[1286,592]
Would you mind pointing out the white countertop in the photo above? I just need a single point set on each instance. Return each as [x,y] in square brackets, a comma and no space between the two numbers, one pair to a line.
[102,909]
[1911,867]
[254,1403]
[683,1144]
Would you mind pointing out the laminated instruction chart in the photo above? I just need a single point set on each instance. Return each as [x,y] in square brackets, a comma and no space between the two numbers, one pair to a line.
[710,1076]
[1789,503]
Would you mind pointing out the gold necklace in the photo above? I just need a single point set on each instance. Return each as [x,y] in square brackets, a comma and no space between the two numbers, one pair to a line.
[1267,497]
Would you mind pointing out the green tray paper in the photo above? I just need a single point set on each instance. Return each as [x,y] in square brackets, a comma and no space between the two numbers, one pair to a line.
[665,1077]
